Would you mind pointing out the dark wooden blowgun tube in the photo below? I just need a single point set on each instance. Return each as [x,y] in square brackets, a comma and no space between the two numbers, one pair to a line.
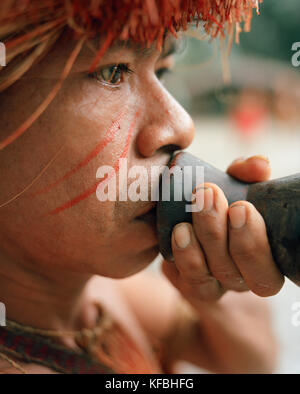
[277,200]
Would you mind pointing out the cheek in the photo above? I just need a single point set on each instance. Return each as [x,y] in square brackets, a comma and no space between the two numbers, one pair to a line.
[92,135]
[89,133]
[98,122]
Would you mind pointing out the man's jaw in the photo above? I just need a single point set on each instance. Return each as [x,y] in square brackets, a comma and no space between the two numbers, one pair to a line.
[148,214]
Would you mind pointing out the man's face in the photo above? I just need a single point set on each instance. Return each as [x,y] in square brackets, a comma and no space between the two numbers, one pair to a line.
[122,110]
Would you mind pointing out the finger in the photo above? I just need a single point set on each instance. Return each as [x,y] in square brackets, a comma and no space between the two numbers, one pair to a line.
[171,272]
[254,169]
[211,228]
[195,279]
[250,250]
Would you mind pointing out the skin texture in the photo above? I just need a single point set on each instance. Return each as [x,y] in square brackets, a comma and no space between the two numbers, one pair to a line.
[48,254]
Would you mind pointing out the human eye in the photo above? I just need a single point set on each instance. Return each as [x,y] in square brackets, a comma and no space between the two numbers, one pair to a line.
[161,72]
[112,75]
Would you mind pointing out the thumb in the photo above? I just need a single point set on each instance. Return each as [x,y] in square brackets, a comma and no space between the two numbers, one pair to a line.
[254,169]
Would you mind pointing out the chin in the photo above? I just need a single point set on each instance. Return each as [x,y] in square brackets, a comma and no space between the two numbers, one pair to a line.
[148,255]
[135,264]
[144,259]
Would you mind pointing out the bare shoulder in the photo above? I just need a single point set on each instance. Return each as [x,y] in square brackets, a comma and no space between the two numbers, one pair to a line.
[148,295]
[153,299]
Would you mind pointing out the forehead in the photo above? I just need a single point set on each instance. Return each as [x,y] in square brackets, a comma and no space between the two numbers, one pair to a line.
[169,47]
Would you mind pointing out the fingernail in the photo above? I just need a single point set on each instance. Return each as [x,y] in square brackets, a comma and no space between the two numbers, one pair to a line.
[242,158]
[261,157]
[237,216]
[205,198]
[182,236]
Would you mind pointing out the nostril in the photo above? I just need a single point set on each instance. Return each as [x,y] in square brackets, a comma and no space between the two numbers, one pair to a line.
[170,148]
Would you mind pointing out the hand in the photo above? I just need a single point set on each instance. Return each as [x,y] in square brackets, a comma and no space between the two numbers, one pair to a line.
[226,248]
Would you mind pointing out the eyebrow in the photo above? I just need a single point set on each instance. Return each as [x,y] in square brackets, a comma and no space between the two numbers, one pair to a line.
[172,47]
[169,48]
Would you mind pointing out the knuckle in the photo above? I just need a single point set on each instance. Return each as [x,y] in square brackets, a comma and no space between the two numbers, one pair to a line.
[244,251]
[192,266]
[262,290]
[230,280]
[199,281]
[235,284]
[212,233]
[266,290]
[205,289]
[223,274]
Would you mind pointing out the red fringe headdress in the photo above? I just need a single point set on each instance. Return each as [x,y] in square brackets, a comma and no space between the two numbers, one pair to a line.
[29,28]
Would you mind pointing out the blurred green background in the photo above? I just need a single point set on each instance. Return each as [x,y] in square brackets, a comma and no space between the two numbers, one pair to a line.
[260,61]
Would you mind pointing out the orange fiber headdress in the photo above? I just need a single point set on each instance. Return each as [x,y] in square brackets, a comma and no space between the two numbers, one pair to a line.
[29,28]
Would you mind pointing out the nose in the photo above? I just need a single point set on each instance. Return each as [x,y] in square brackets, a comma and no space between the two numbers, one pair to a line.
[164,122]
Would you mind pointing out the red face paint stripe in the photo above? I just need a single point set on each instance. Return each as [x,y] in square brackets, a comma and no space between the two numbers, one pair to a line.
[109,137]
[93,189]
[116,167]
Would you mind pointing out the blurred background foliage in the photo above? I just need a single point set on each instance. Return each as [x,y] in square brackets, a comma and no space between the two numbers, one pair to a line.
[260,62]
[274,31]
